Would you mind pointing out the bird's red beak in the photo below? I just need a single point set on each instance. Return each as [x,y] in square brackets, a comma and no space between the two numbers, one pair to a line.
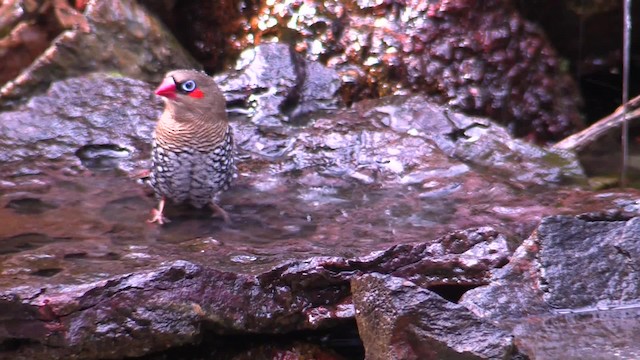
[167,88]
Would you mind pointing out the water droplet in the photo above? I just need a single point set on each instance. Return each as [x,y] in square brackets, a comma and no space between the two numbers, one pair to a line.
[137,256]
[244,259]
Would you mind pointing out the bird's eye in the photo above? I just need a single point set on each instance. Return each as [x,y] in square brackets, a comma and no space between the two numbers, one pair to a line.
[188,86]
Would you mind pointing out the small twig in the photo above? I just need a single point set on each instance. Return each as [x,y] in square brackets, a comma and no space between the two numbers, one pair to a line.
[582,139]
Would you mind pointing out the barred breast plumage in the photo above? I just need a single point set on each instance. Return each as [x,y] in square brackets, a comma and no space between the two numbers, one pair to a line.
[193,152]
[192,175]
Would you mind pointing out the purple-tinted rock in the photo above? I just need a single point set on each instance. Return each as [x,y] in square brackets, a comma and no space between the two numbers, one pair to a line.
[571,270]
[609,254]
[150,310]
[541,275]
[594,334]
[396,186]
[514,290]
[291,87]
[398,320]
[94,117]
[479,57]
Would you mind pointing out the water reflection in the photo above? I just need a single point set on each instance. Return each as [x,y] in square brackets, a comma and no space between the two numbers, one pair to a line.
[87,226]
[88,222]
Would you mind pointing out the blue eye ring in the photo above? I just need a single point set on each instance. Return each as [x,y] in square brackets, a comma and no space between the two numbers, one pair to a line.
[188,86]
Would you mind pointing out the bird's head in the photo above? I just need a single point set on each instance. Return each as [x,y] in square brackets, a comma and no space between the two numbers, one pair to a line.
[191,94]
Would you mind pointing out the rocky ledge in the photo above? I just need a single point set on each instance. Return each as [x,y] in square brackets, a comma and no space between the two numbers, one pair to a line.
[397,214]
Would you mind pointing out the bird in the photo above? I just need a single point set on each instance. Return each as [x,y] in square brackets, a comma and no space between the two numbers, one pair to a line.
[192,156]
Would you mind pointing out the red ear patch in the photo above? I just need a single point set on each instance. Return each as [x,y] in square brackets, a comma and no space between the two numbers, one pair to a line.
[197,93]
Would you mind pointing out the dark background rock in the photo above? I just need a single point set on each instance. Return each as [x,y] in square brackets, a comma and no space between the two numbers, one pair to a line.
[508,71]
[317,346]
[228,27]
[120,37]
[290,88]
[479,57]
[27,29]
[588,33]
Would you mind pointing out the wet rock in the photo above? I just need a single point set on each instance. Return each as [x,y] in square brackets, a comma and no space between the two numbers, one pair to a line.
[97,119]
[399,320]
[173,303]
[386,147]
[570,269]
[479,57]
[276,84]
[542,276]
[609,255]
[254,347]
[396,186]
[603,333]
[107,37]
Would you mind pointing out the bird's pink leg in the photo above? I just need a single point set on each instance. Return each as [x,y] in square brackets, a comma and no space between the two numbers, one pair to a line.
[141,174]
[217,210]
[157,215]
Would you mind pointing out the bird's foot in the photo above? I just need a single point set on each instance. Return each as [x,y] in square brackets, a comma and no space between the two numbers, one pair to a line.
[217,210]
[157,216]
[141,174]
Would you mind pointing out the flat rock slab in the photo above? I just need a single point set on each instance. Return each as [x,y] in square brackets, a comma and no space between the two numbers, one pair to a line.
[595,334]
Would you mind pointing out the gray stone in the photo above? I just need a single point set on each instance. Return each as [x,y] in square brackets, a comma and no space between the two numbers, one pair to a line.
[398,320]
[571,285]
